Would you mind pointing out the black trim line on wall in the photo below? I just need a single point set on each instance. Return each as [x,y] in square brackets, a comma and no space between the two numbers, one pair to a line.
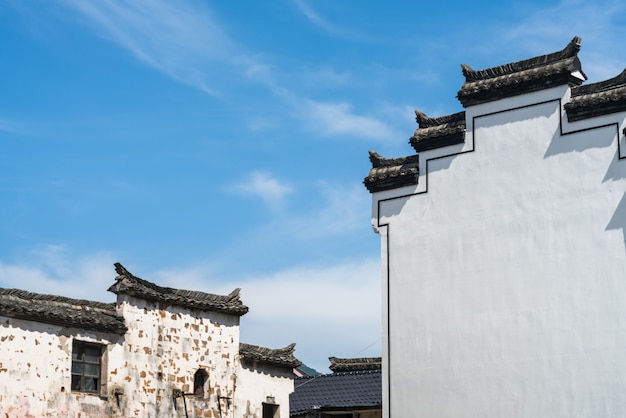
[473,148]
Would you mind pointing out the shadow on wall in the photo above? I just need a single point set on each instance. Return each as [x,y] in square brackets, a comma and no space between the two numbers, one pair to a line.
[578,141]
[618,221]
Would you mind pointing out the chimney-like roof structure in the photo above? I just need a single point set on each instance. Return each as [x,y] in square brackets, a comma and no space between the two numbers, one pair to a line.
[61,311]
[282,357]
[128,284]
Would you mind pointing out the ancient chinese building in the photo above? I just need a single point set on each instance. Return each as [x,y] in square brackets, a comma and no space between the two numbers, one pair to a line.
[155,352]
[503,248]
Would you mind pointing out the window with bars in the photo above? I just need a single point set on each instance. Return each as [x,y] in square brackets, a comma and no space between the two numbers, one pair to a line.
[86,367]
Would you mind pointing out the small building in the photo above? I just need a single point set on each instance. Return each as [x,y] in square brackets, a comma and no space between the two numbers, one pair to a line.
[156,351]
[353,390]
[503,248]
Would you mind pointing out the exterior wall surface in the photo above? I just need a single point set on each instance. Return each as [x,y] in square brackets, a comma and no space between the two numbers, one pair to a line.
[264,384]
[147,372]
[35,361]
[504,268]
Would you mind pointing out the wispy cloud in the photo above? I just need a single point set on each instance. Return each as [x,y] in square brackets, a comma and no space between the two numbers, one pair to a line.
[294,300]
[264,186]
[314,17]
[12,127]
[338,119]
[598,23]
[54,269]
[180,39]
[297,300]
[184,41]
[343,210]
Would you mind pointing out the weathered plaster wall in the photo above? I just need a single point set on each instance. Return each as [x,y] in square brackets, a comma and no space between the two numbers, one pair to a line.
[259,383]
[506,269]
[35,379]
[156,358]
[164,347]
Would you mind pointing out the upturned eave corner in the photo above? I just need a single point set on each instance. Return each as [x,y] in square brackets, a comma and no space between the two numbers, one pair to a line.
[437,132]
[597,99]
[391,173]
[129,284]
[521,77]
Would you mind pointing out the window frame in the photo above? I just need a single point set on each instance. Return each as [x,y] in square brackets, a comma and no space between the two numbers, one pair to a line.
[81,364]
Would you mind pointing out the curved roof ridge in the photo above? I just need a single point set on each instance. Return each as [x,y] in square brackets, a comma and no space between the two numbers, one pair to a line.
[391,173]
[62,311]
[276,356]
[127,283]
[354,364]
[571,50]
[600,86]
[425,121]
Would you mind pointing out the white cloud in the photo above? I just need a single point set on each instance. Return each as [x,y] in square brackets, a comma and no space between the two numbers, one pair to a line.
[331,310]
[338,119]
[52,269]
[344,209]
[180,39]
[264,186]
[597,23]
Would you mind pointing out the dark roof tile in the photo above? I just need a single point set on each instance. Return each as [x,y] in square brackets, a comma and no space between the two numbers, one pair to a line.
[557,68]
[276,356]
[337,391]
[438,132]
[58,310]
[391,173]
[354,364]
[127,283]
[597,99]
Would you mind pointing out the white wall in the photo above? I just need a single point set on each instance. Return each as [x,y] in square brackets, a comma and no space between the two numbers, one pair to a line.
[160,353]
[507,269]
[35,378]
[258,382]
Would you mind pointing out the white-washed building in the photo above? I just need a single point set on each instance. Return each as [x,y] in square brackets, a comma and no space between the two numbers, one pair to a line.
[503,249]
[156,352]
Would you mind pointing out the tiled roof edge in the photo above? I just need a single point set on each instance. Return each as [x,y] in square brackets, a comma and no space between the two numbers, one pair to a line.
[61,311]
[354,364]
[127,283]
[570,51]
[391,173]
[534,74]
[438,132]
[276,356]
[597,99]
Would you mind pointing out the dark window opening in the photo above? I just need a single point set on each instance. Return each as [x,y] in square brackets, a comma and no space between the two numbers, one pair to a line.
[199,379]
[270,410]
[86,367]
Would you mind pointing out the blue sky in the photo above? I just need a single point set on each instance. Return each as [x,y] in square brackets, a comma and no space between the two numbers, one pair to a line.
[210,145]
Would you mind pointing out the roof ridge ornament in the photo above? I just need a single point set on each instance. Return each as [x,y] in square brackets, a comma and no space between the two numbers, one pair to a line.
[521,77]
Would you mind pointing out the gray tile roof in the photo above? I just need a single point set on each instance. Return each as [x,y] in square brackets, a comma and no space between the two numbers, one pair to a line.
[481,86]
[438,132]
[354,364]
[128,284]
[276,356]
[342,391]
[521,77]
[597,99]
[391,173]
[58,310]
